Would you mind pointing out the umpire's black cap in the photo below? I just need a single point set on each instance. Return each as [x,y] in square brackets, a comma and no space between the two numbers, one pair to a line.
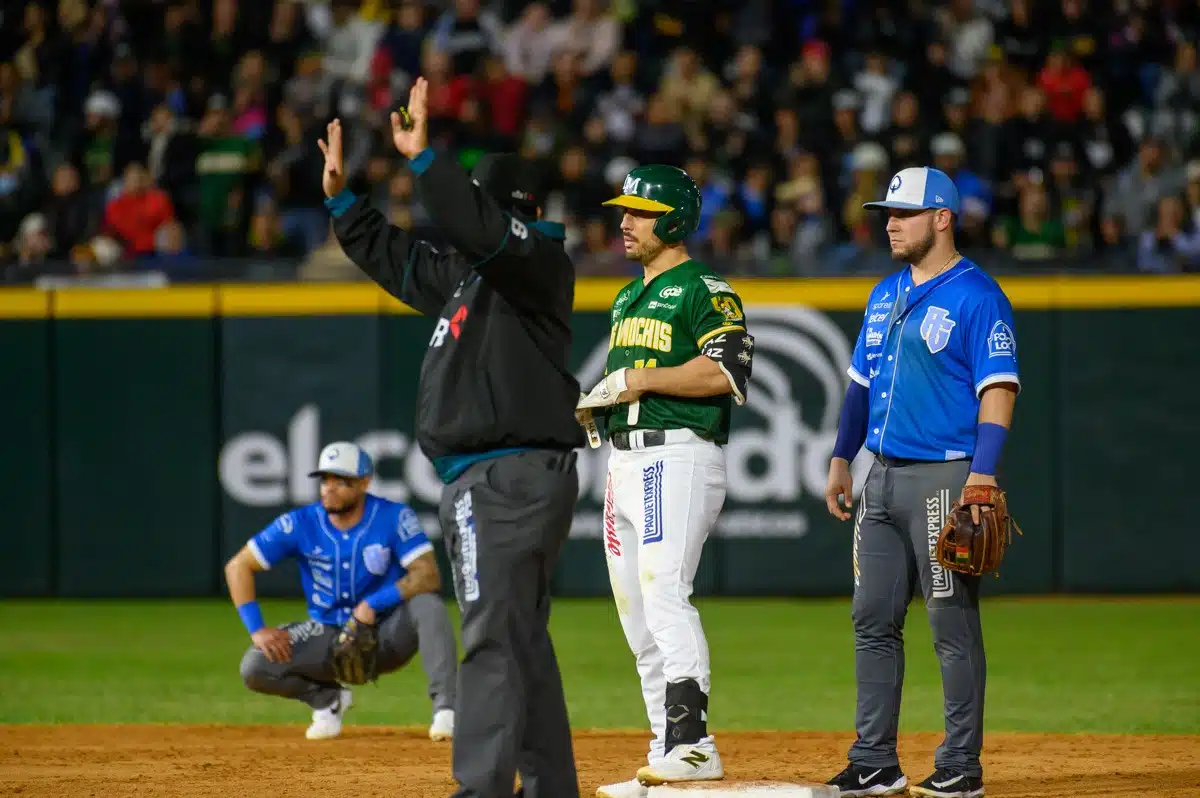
[510,180]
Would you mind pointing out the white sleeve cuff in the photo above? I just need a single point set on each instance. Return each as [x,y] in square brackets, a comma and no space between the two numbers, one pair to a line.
[995,378]
[860,379]
[413,554]
[258,555]
[737,395]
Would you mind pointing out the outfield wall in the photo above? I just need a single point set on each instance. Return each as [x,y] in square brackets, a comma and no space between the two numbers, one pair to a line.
[151,431]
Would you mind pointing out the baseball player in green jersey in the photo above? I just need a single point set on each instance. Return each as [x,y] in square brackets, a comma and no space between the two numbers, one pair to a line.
[679,358]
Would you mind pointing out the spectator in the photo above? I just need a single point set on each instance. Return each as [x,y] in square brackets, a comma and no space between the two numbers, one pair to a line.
[715,194]
[950,155]
[1141,185]
[1064,83]
[1033,234]
[467,34]
[875,86]
[591,33]
[134,215]
[529,44]
[224,169]
[70,214]
[622,103]
[1021,37]
[969,34]
[18,189]
[171,157]
[33,247]
[349,48]
[1177,101]
[1173,243]
[401,42]
[504,96]
[599,254]
[1073,198]
[294,176]
[309,92]
[689,88]
[906,137]
[1106,141]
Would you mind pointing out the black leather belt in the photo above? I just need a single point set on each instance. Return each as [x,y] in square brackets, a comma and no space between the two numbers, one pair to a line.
[650,437]
[893,462]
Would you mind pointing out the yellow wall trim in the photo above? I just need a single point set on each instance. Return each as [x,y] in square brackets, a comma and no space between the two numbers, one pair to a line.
[591,294]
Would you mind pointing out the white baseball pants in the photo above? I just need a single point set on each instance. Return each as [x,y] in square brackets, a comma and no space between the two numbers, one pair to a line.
[659,506]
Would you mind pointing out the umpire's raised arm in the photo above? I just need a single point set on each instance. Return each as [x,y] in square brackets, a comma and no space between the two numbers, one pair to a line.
[531,271]
[409,269]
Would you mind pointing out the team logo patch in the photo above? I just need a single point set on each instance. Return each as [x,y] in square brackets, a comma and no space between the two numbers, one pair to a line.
[895,186]
[1001,341]
[936,328]
[377,558]
[409,526]
[716,286]
[671,291]
[652,531]
[286,524]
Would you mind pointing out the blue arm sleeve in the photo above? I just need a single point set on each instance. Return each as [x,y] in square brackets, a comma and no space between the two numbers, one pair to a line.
[852,427]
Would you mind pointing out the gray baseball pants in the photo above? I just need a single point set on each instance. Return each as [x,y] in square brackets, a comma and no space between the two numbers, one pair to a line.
[420,624]
[505,521]
[900,513]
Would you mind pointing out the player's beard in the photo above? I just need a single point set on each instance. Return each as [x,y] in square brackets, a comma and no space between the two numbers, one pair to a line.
[646,251]
[347,507]
[915,253]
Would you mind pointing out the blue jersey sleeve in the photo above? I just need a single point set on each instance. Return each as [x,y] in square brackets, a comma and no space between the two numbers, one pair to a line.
[411,541]
[277,542]
[992,346]
[859,371]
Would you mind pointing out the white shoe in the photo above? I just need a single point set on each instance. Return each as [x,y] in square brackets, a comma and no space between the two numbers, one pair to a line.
[327,723]
[684,763]
[626,789]
[442,727]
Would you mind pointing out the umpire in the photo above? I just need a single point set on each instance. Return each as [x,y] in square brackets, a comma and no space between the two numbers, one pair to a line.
[496,416]
[933,384]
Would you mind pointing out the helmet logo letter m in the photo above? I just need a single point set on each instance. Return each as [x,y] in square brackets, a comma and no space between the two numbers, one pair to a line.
[631,185]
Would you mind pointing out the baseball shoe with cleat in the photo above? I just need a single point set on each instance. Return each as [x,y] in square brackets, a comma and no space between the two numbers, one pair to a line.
[442,727]
[946,783]
[860,781]
[327,723]
[699,762]
[625,789]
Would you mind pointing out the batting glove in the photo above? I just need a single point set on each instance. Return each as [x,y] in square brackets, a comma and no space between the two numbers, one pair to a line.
[606,391]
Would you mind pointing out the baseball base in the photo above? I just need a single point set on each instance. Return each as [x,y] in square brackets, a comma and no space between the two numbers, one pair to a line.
[766,789]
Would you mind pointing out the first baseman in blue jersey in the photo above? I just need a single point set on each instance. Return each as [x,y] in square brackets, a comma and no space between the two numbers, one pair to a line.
[933,382]
[359,555]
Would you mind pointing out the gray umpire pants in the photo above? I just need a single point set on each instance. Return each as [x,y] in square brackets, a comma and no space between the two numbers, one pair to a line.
[420,624]
[505,522]
[900,513]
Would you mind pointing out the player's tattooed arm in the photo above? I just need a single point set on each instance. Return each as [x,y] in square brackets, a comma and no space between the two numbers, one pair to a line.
[422,577]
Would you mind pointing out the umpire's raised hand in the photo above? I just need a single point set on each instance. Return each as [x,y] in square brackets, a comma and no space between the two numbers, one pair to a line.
[410,125]
[333,179]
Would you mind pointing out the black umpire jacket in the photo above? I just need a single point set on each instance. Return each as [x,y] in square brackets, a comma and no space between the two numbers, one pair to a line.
[495,375]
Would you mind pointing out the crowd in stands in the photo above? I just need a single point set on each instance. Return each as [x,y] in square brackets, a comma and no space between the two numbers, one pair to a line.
[169,135]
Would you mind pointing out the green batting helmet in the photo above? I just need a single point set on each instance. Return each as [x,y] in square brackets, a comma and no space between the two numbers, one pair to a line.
[666,189]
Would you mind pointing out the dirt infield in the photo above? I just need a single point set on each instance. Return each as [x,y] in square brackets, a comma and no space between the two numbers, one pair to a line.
[369,762]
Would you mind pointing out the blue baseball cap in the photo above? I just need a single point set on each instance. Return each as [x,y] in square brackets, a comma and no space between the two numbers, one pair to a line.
[917,188]
[343,459]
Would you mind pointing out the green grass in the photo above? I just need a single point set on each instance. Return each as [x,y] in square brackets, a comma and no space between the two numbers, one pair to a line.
[1062,666]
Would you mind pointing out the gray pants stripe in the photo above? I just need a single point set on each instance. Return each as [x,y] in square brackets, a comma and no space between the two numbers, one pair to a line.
[902,510]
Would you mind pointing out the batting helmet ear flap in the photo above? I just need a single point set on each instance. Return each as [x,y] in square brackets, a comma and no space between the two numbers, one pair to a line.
[667,190]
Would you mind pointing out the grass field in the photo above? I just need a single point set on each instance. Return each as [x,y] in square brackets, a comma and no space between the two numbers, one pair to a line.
[1069,666]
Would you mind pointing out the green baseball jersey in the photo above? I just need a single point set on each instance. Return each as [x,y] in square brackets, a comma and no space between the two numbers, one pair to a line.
[663,324]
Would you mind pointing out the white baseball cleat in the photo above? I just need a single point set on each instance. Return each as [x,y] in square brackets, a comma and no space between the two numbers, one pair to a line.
[327,723]
[684,763]
[442,727]
[625,789]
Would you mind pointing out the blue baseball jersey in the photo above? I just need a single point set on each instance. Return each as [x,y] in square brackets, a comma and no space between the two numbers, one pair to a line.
[926,353]
[338,569]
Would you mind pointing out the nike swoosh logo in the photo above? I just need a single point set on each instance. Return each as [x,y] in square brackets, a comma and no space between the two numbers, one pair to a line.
[865,779]
[941,784]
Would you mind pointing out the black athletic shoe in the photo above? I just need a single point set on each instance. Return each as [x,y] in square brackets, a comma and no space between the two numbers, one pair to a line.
[946,783]
[859,781]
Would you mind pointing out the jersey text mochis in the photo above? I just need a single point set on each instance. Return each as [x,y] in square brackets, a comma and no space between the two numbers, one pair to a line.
[637,331]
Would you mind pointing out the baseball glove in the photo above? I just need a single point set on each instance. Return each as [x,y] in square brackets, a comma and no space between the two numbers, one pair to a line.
[356,653]
[976,549]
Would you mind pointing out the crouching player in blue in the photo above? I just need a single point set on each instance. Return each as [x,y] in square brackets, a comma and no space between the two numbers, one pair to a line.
[367,569]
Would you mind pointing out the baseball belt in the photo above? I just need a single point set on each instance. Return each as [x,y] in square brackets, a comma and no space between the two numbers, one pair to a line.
[647,438]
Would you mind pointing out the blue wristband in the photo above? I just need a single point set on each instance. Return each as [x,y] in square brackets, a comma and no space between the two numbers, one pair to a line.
[989,442]
[385,598]
[420,162]
[340,203]
[251,616]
